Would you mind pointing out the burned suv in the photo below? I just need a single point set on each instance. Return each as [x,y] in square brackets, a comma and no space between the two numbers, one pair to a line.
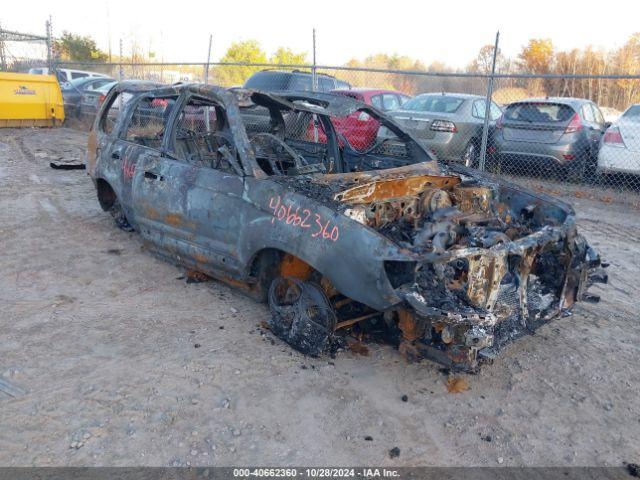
[444,261]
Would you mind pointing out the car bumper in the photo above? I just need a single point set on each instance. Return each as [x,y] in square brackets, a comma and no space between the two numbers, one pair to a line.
[615,159]
[444,146]
[541,153]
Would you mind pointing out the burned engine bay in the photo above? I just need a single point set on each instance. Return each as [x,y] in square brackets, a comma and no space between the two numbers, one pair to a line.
[486,261]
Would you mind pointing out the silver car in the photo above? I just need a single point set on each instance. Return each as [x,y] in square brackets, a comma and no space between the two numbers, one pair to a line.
[448,124]
[558,135]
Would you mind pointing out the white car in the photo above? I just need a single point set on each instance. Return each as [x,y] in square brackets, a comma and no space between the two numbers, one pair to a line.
[620,148]
[65,74]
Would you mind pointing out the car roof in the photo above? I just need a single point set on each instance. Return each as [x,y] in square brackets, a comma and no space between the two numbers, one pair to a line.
[367,91]
[572,101]
[294,72]
[465,96]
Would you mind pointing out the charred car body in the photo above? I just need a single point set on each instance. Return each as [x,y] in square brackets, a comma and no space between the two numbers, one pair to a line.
[449,263]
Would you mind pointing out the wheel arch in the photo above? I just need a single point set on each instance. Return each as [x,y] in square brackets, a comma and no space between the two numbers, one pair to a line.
[106,194]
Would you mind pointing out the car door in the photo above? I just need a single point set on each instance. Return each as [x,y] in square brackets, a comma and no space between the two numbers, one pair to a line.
[190,196]
[593,128]
[150,186]
[601,126]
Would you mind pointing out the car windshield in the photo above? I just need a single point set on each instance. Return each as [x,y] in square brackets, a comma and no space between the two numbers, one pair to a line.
[632,112]
[433,103]
[539,112]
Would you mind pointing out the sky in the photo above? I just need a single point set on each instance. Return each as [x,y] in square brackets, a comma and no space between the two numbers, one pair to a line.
[449,31]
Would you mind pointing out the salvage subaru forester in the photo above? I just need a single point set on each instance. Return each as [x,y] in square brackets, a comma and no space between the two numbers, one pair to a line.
[262,192]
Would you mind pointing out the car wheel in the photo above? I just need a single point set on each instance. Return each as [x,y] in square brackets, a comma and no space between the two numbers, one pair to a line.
[301,315]
[119,217]
[470,157]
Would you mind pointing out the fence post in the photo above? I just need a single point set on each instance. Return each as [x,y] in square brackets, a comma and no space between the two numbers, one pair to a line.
[120,66]
[3,57]
[314,78]
[206,72]
[487,108]
[50,59]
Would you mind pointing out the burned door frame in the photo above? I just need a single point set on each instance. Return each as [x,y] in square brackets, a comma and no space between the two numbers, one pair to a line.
[184,207]
[151,174]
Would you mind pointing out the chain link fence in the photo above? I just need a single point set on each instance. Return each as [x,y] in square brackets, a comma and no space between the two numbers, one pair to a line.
[20,52]
[576,135]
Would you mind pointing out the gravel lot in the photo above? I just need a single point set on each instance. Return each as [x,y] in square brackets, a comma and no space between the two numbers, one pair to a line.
[121,362]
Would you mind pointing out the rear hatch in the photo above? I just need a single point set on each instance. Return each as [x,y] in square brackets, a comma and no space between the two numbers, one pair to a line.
[537,122]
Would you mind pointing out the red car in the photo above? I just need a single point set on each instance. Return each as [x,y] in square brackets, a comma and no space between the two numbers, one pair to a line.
[360,129]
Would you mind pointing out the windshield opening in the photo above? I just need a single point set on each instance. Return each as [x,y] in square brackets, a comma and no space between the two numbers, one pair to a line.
[315,136]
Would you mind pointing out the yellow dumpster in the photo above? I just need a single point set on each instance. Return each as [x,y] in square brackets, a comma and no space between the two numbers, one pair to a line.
[30,100]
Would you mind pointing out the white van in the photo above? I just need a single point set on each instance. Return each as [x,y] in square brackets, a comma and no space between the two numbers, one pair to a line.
[66,74]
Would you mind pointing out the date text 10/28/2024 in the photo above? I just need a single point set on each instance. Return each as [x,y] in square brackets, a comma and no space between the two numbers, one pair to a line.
[303,218]
[320,472]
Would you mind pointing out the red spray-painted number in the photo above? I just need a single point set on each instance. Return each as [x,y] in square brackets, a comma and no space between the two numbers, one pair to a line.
[304,218]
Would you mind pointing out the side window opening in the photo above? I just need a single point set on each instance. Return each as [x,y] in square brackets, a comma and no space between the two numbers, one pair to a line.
[202,137]
[587,113]
[110,116]
[147,124]
[390,102]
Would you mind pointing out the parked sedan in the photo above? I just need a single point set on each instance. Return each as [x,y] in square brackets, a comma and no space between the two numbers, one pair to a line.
[72,92]
[91,101]
[361,129]
[449,124]
[558,135]
[620,150]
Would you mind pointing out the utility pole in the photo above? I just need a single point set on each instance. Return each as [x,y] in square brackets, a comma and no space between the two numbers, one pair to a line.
[206,72]
[487,108]
[109,31]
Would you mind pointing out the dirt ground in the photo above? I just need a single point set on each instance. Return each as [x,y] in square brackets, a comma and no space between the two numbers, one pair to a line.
[121,362]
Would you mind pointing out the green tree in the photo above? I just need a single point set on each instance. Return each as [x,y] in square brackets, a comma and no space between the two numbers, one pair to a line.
[248,51]
[286,56]
[78,48]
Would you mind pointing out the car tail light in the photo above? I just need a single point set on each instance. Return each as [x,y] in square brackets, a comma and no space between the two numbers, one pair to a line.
[569,156]
[443,126]
[575,124]
[101,99]
[613,137]
[500,122]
